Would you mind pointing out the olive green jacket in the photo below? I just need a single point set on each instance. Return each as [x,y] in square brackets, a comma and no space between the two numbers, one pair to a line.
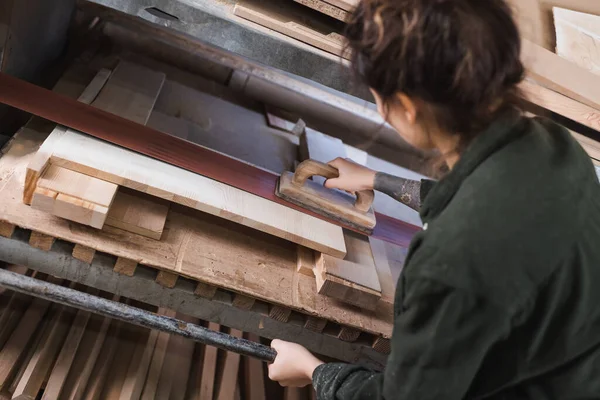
[500,294]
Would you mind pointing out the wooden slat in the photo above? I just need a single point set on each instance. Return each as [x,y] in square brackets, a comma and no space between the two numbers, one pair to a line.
[227,385]
[382,345]
[292,20]
[209,365]
[561,75]
[125,349]
[206,291]
[315,324]
[12,314]
[6,229]
[183,363]
[138,213]
[578,38]
[104,363]
[348,334]
[84,253]
[41,241]
[348,5]
[138,369]
[156,364]
[243,302]
[326,9]
[278,313]
[306,261]
[125,266]
[254,380]
[81,211]
[166,279]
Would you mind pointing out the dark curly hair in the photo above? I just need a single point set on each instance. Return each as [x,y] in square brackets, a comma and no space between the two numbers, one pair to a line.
[459,58]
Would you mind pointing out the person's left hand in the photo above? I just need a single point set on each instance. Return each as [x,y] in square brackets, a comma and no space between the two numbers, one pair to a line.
[293,366]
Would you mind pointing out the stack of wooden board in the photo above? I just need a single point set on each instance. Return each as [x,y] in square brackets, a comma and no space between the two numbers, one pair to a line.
[578,38]
[53,352]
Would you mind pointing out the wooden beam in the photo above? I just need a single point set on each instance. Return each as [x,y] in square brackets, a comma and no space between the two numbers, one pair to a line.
[166,279]
[41,241]
[209,365]
[84,253]
[125,266]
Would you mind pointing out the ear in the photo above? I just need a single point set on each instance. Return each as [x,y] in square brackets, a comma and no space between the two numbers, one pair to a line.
[409,107]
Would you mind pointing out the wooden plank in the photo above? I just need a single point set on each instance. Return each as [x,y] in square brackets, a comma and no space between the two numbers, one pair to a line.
[131,92]
[384,258]
[254,378]
[126,168]
[58,376]
[129,337]
[209,365]
[6,229]
[578,38]
[292,20]
[348,5]
[84,253]
[104,363]
[533,23]
[346,291]
[138,213]
[166,279]
[183,363]
[306,261]
[81,211]
[156,364]
[326,9]
[561,75]
[12,315]
[78,185]
[228,383]
[382,345]
[41,241]
[206,291]
[138,369]
[40,161]
[44,357]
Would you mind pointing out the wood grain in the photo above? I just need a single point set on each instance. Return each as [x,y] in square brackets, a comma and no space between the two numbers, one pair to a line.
[227,385]
[138,213]
[348,5]
[326,9]
[578,38]
[254,382]
[209,365]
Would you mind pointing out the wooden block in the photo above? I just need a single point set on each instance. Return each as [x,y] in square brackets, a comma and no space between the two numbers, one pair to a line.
[209,365]
[254,382]
[348,334]
[41,159]
[19,340]
[348,292]
[138,213]
[326,9]
[294,21]
[6,229]
[561,75]
[206,291]
[81,211]
[78,185]
[382,345]
[243,302]
[315,324]
[278,313]
[227,385]
[125,266]
[306,261]
[578,38]
[44,199]
[84,253]
[58,376]
[166,279]
[41,241]
[45,354]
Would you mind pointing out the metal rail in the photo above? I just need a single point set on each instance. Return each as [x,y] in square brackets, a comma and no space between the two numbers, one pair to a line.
[133,315]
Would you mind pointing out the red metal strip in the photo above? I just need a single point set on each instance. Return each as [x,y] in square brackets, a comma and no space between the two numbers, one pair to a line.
[170,149]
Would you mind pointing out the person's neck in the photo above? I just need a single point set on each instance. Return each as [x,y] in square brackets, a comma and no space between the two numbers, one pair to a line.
[447,144]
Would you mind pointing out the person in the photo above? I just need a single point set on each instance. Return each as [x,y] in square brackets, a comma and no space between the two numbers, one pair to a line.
[499,297]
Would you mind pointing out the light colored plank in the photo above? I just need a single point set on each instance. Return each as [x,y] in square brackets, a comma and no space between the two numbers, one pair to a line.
[40,160]
[532,22]
[326,9]
[81,211]
[138,369]
[578,38]
[209,365]
[84,253]
[58,376]
[78,185]
[43,200]
[254,381]
[12,314]
[156,364]
[292,20]
[382,263]
[131,92]
[561,75]
[343,290]
[183,363]
[138,172]
[306,261]
[138,213]
[228,383]
[47,350]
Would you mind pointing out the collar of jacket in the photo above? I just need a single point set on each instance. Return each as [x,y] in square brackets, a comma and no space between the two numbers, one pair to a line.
[508,127]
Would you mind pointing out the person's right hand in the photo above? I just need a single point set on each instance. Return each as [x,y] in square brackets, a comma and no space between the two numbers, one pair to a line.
[353,177]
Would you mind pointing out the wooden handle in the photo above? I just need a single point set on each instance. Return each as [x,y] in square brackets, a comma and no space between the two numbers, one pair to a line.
[309,168]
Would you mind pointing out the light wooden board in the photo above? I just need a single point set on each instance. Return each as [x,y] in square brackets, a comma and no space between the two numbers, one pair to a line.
[138,213]
[578,38]
[227,385]
[326,8]
[292,20]
[348,5]
[126,168]
[561,75]
[209,365]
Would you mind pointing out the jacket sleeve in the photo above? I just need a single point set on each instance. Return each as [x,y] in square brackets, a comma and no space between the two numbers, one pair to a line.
[440,339]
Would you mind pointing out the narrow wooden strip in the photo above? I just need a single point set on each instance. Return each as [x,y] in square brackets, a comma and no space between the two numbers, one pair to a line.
[183,363]
[278,313]
[12,314]
[156,364]
[138,369]
[41,241]
[243,302]
[305,261]
[315,324]
[348,5]
[209,365]
[382,345]
[6,229]
[254,378]
[166,148]
[138,213]
[129,336]
[125,266]
[104,363]
[81,211]
[166,279]
[326,9]
[205,290]
[84,253]
[348,334]
[228,383]
[44,199]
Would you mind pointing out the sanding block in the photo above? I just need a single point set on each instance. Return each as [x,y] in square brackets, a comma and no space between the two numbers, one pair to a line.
[355,212]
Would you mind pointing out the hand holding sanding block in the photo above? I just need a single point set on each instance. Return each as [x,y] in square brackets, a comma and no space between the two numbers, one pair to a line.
[355,212]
